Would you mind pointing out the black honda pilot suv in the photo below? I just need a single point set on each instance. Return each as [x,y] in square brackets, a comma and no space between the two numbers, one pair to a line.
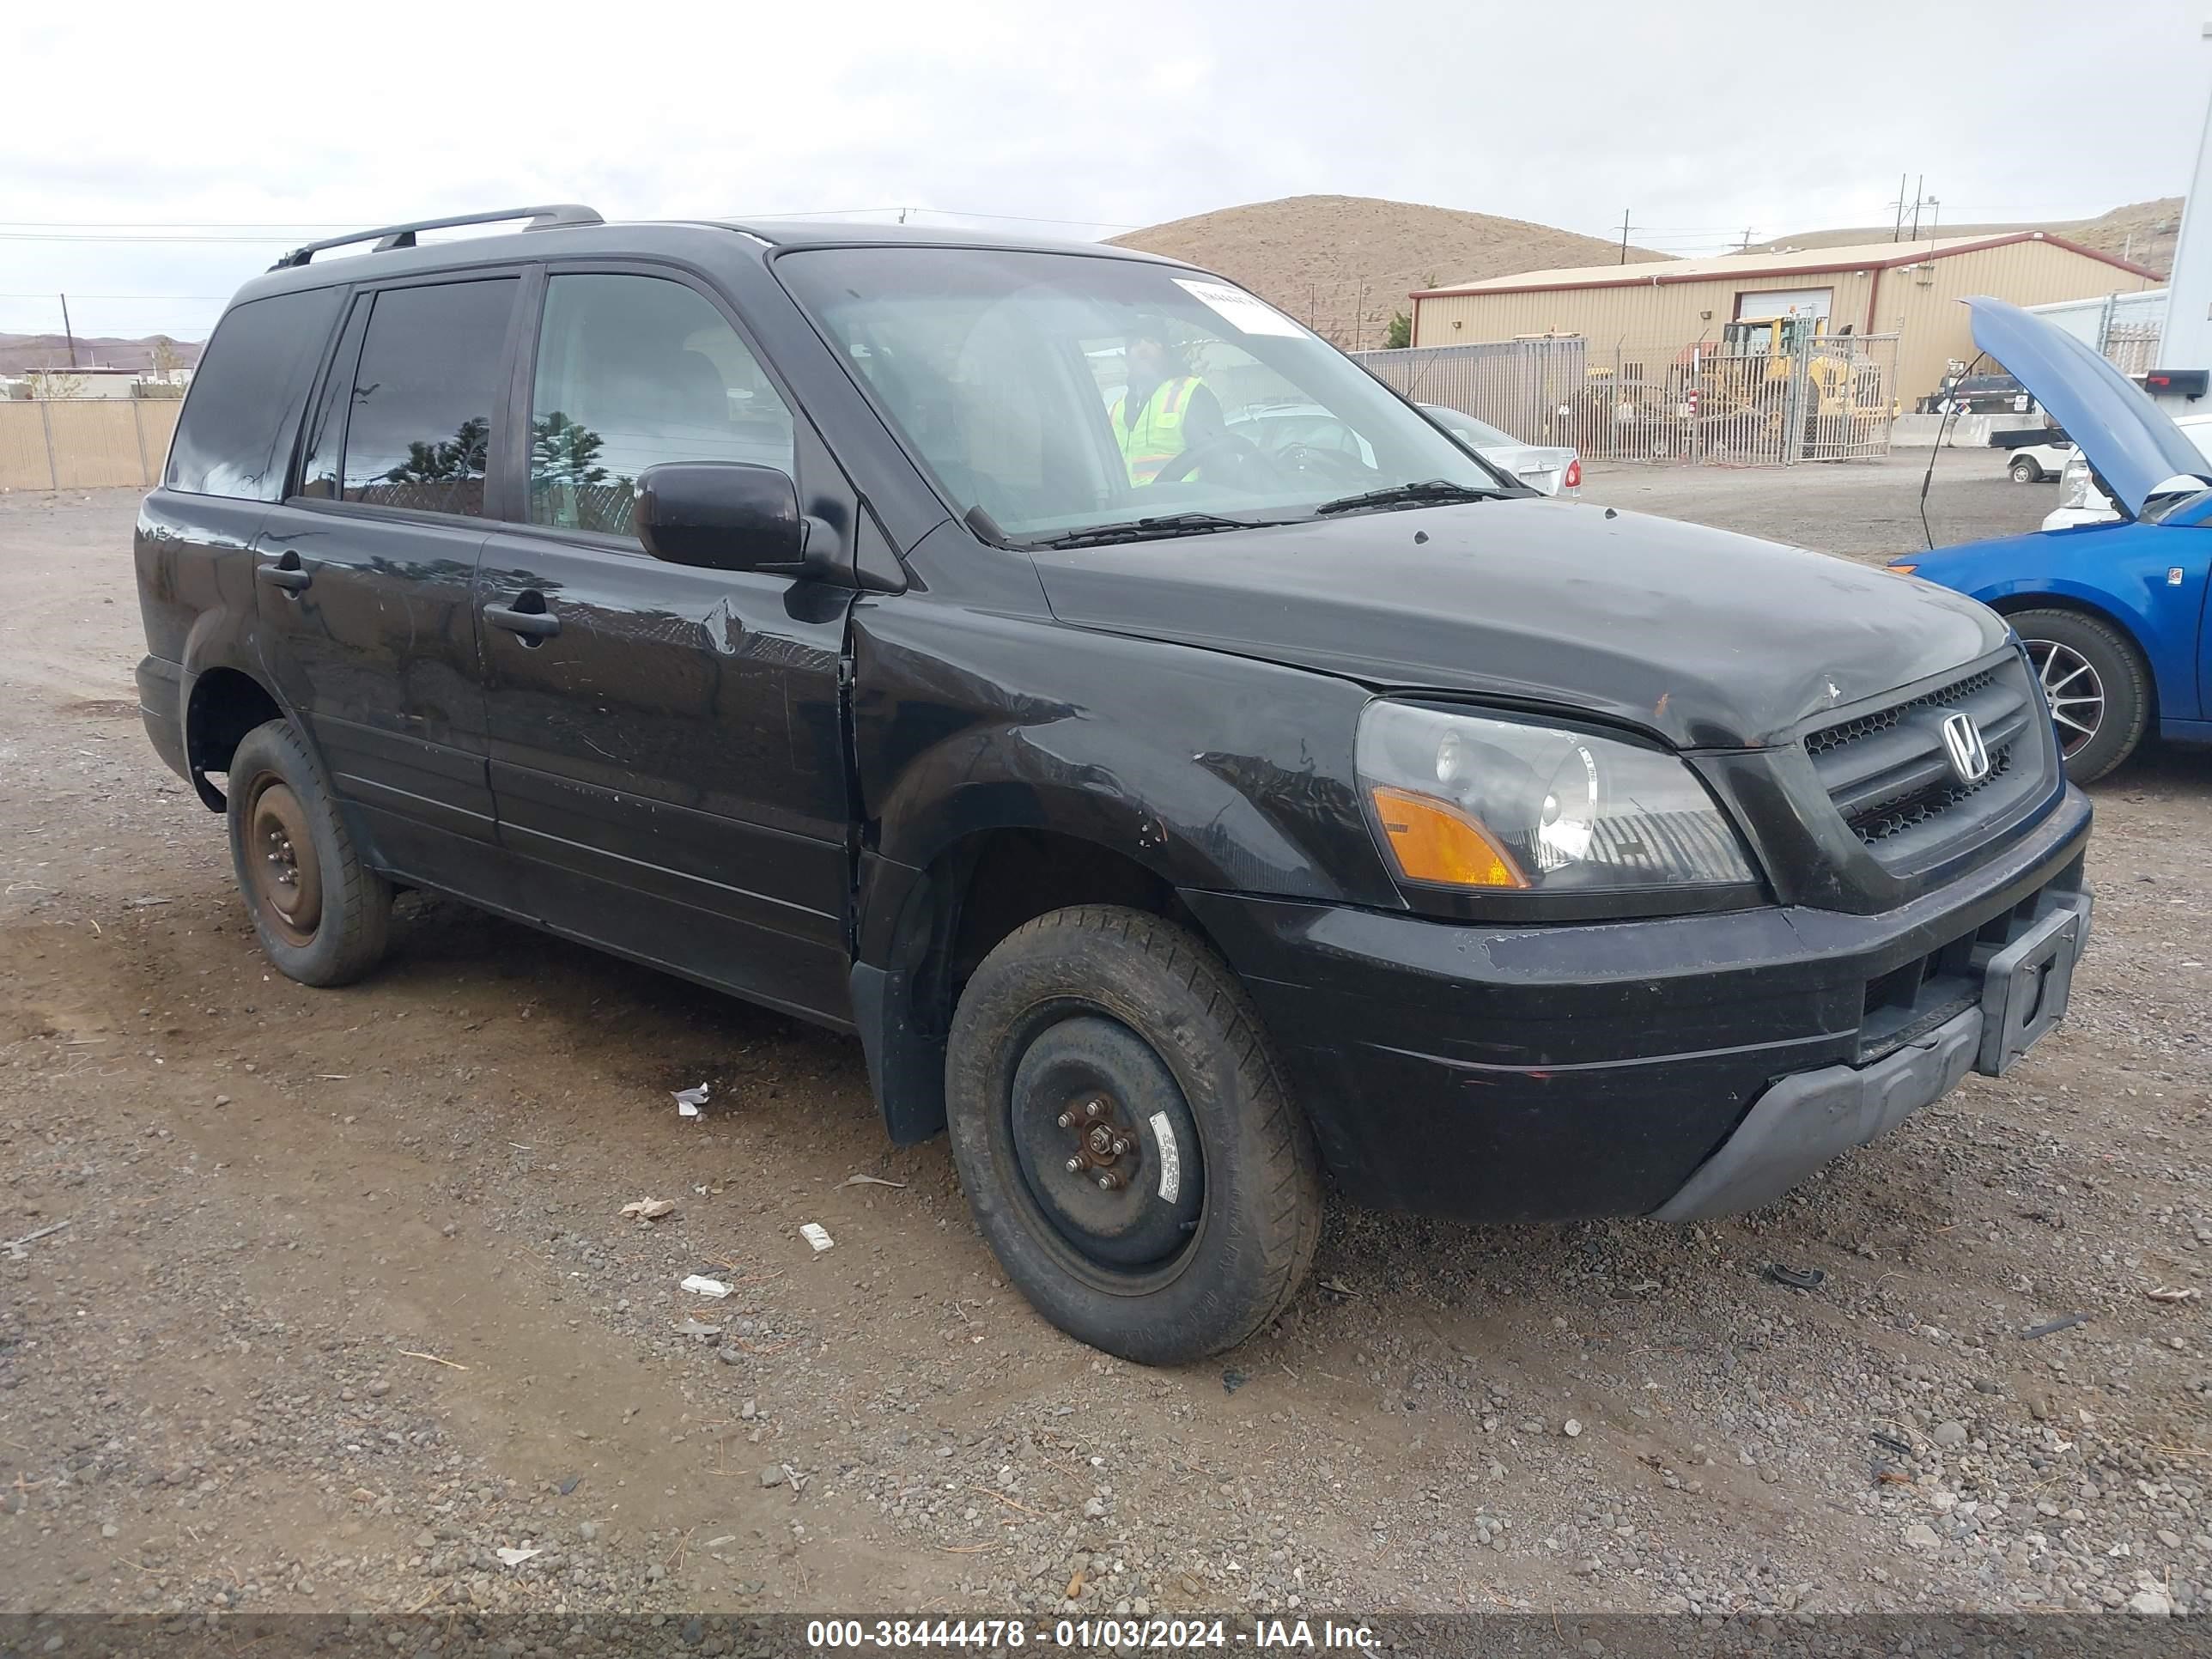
[979,647]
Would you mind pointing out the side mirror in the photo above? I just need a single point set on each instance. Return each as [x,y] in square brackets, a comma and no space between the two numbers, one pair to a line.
[722,515]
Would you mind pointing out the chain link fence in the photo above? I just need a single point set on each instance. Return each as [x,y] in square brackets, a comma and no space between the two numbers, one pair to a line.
[1763,402]
[85,443]
[2131,348]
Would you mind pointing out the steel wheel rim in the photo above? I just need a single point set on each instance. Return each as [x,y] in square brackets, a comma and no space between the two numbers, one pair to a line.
[2073,691]
[281,867]
[1032,1177]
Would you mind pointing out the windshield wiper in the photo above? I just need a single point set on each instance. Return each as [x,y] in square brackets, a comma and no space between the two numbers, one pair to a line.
[1406,494]
[1144,529]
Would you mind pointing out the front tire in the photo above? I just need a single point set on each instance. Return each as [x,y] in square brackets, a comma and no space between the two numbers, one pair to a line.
[2025,471]
[1125,1139]
[2095,683]
[322,915]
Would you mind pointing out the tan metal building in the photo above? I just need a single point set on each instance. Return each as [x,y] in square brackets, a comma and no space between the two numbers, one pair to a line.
[1911,289]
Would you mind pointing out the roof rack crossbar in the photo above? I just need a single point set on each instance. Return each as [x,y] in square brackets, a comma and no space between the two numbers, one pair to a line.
[391,236]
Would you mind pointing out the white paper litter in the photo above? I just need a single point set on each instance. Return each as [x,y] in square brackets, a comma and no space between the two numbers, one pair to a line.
[688,1100]
[516,1557]
[700,1284]
[868,1180]
[814,1234]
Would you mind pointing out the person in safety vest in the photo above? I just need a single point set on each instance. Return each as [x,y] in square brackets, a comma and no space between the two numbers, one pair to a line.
[1166,409]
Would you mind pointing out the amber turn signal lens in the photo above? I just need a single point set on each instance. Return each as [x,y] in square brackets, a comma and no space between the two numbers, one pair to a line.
[1433,840]
[1904,569]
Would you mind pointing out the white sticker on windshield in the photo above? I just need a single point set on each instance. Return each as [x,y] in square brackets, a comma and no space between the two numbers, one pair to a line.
[1240,310]
[1164,1136]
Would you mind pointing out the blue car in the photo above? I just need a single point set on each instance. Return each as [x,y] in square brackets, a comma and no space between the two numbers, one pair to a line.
[2113,615]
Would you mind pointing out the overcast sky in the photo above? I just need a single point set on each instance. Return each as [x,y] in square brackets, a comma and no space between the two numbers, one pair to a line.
[235,131]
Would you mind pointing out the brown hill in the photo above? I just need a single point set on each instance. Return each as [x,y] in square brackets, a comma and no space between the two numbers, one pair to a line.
[2143,231]
[1342,265]
[19,352]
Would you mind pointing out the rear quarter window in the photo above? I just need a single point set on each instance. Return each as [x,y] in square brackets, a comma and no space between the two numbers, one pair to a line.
[235,435]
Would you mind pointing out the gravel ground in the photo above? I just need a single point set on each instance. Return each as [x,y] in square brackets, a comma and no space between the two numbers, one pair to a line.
[342,1304]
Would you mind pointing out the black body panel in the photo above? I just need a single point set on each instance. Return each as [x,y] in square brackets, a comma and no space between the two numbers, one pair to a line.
[1537,1073]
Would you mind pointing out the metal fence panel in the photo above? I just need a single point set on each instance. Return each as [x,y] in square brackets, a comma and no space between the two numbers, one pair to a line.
[23,449]
[1825,398]
[1526,387]
[85,443]
[2132,348]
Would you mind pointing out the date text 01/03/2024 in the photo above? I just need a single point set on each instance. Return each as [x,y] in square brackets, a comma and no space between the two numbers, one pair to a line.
[831,1635]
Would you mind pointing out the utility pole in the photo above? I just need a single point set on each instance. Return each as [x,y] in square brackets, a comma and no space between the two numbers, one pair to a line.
[69,333]
[1624,236]
[1744,246]
[2185,339]
[1358,315]
[1896,227]
[1916,187]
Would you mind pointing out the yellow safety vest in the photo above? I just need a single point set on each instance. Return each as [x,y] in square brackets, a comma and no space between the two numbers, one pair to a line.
[1157,438]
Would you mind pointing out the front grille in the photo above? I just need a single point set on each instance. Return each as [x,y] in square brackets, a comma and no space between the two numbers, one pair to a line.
[1888,776]
[1835,737]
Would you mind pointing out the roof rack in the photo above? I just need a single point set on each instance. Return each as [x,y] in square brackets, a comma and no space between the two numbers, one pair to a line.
[391,236]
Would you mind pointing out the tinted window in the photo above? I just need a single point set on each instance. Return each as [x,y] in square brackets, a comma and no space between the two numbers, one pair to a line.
[235,435]
[633,371]
[419,431]
[319,471]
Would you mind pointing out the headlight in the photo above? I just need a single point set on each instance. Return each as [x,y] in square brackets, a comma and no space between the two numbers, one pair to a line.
[1468,802]
[2075,487]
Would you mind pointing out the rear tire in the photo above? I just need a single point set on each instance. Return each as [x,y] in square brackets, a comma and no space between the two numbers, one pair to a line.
[2092,676]
[322,916]
[1125,1139]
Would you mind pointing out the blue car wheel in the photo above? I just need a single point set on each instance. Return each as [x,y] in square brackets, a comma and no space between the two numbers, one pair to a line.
[2095,681]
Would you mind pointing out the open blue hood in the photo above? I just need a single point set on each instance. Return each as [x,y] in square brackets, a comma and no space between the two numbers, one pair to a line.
[2135,447]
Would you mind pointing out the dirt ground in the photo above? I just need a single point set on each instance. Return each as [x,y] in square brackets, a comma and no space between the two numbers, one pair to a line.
[341,1301]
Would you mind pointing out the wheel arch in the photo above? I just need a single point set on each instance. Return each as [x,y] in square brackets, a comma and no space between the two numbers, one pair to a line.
[224,704]
[925,929]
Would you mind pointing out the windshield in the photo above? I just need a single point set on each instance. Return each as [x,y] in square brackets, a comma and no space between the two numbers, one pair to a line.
[1063,393]
[1480,434]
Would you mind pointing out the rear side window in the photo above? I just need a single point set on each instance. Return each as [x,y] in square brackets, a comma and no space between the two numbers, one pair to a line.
[418,429]
[234,434]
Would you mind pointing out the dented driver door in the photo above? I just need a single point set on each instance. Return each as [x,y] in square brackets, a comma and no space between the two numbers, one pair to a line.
[665,761]
[665,758]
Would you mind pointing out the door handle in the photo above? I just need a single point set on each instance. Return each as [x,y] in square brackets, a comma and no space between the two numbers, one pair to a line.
[286,573]
[530,624]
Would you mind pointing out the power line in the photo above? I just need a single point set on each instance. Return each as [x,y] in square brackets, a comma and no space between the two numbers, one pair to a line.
[41,295]
[214,231]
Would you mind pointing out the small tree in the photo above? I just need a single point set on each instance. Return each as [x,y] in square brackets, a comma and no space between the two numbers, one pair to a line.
[166,358]
[55,382]
[1401,334]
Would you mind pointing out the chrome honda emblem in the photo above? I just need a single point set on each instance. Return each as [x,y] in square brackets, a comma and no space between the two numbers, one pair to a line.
[1962,742]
